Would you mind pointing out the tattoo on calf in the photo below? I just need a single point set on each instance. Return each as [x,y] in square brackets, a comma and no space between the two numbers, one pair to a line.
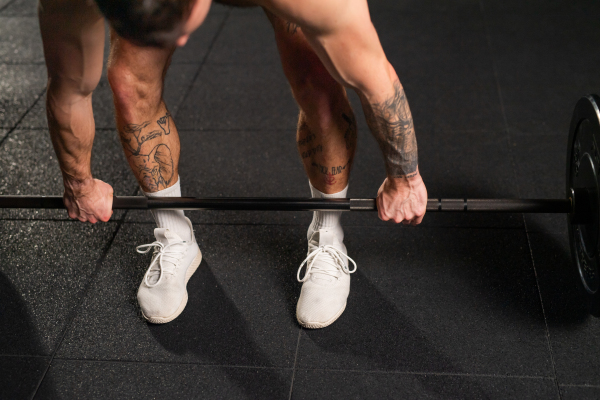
[164,123]
[154,170]
[291,28]
[392,125]
[350,134]
[312,152]
[133,139]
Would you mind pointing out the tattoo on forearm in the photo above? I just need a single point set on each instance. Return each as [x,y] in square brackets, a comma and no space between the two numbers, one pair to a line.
[164,123]
[392,125]
[350,134]
[312,152]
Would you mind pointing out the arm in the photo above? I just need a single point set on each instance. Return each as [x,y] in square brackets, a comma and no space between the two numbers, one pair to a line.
[73,37]
[343,36]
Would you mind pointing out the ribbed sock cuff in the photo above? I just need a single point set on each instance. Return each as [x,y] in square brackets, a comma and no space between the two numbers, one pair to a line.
[327,219]
[172,219]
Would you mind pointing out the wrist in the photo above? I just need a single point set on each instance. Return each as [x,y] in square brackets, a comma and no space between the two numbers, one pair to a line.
[411,180]
[79,185]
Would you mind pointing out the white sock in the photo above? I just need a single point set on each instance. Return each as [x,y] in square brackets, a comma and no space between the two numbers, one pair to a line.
[327,219]
[171,219]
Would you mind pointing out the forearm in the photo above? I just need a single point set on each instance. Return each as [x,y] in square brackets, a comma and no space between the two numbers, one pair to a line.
[73,38]
[72,132]
[391,123]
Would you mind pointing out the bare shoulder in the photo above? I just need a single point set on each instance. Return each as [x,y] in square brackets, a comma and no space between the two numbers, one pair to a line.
[320,15]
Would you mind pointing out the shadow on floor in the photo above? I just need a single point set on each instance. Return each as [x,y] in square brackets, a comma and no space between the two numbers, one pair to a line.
[18,336]
[226,340]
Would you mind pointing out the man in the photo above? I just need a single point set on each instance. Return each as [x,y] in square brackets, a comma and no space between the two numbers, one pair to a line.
[324,47]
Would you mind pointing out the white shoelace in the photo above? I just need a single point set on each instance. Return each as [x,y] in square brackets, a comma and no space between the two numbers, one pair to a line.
[160,254]
[337,264]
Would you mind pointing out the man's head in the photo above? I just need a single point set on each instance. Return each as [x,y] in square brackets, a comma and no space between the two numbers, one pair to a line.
[155,22]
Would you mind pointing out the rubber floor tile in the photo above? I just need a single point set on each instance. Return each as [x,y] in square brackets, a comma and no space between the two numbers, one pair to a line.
[540,170]
[544,62]
[459,301]
[249,97]
[20,8]
[241,307]
[444,64]
[580,392]
[24,174]
[101,380]
[45,266]
[20,87]
[198,44]
[20,40]
[247,38]
[19,376]
[574,335]
[323,384]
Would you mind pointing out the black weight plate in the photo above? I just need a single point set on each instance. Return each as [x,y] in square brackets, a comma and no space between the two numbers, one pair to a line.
[583,165]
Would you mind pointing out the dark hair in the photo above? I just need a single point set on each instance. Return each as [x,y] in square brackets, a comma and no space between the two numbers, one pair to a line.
[142,21]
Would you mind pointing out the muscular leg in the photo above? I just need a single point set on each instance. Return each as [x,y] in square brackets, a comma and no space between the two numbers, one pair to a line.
[146,128]
[326,134]
[326,140]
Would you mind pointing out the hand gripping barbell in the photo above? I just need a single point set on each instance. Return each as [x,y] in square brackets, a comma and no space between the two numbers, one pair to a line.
[581,204]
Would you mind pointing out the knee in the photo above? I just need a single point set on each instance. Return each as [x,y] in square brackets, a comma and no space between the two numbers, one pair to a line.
[318,94]
[132,91]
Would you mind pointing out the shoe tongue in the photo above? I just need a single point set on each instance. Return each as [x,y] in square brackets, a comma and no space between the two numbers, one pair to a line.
[166,236]
[323,237]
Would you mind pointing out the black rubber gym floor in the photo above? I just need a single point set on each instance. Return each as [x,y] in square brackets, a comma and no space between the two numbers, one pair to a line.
[472,306]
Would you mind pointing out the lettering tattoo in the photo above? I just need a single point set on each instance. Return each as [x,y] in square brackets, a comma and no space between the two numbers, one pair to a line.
[392,125]
[331,170]
[306,140]
[350,134]
[312,152]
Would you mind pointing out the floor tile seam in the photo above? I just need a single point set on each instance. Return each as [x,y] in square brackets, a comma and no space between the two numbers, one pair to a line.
[513,163]
[576,385]
[158,362]
[25,356]
[202,63]
[11,130]
[22,63]
[420,373]
[4,7]
[295,363]
[79,304]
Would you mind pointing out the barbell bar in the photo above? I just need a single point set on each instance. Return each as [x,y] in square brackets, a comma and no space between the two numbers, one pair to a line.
[581,203]
[301,204]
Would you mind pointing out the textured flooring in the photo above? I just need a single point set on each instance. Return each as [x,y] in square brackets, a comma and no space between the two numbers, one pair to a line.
[465,307]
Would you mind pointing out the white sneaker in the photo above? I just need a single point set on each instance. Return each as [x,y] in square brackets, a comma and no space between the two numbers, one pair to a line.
[326,283]
[162,294]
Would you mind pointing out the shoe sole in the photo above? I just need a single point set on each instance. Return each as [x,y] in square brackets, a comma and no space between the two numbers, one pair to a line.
[191,269]
[319,325]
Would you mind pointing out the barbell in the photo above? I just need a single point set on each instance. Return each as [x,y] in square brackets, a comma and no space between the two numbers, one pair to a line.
[581,203]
